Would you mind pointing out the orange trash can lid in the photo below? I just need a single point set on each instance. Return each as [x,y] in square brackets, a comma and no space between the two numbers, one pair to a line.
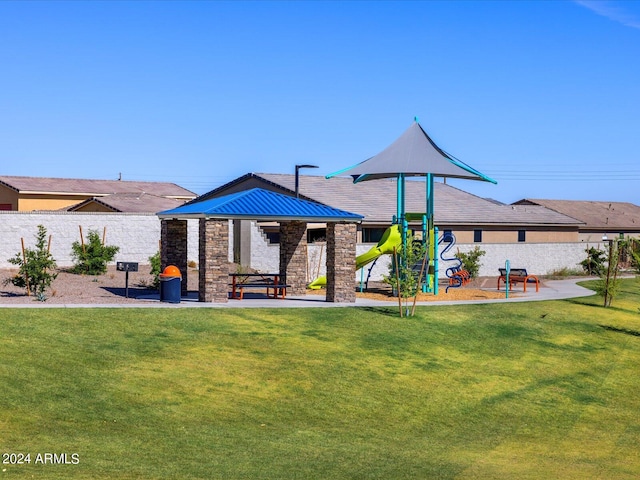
[171,271]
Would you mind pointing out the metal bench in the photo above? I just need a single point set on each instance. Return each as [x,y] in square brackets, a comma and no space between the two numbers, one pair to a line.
[517,275]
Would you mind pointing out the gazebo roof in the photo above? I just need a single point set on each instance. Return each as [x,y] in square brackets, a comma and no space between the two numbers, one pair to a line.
[259,204]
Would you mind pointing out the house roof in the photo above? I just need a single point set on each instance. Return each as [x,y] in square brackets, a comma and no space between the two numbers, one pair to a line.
[603,216]
[376,200]
[260,204]
[88,187]
[131,203]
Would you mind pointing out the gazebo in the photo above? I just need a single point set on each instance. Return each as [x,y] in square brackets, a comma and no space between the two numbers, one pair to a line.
[257,204]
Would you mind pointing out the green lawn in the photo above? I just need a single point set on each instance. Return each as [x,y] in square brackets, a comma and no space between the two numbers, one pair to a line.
[541,390]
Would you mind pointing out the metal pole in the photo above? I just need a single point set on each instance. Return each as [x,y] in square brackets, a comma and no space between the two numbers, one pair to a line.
[297,184]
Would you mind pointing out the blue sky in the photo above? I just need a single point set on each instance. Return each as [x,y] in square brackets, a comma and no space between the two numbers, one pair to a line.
[543,96]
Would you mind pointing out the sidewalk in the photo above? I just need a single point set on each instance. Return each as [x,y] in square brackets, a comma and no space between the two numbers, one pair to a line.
[552,290]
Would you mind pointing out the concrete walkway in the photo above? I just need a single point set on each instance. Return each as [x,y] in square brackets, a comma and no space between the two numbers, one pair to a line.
[552,290]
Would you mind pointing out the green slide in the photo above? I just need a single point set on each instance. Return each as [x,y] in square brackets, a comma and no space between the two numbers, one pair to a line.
[392,237]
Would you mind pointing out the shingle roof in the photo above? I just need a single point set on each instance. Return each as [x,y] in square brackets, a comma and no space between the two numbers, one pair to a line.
[131,203]
[604,216]
[376,201]
[78,186]
[259,204]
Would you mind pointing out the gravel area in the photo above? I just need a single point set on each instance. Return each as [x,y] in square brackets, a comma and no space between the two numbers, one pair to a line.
[109,288]
[69,288]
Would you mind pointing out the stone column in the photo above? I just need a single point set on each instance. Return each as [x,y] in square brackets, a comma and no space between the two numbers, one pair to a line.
[173,247]
[213,261]
[341,262]
[293,255]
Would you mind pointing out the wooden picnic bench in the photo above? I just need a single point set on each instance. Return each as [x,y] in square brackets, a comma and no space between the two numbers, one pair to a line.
[270,281]
[517,275]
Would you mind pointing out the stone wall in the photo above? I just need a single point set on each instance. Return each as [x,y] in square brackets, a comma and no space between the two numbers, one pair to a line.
[293,258]
[341,262]
[214,269]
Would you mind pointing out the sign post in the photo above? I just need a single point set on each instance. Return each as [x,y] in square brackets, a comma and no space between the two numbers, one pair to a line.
[126,267]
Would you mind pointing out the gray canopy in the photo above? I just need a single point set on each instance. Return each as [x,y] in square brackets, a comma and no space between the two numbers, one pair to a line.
[412,154]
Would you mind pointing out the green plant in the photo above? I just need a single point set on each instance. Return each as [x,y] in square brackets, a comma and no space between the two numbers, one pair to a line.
[35,267]
[609,285]
[565,272]
[471,260]
[594,263]
[406,267]
[91,258]
[154,261]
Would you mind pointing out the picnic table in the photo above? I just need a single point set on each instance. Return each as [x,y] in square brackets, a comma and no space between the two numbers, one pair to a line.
[270,281]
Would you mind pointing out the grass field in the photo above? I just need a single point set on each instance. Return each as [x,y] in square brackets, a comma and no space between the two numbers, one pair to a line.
[541,390]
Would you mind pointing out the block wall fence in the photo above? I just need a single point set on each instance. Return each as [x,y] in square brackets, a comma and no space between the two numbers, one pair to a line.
[138,236]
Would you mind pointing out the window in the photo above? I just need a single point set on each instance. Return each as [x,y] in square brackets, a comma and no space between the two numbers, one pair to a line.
[447,236]
[316,235]
[522,235]
[372,235]
[477,236]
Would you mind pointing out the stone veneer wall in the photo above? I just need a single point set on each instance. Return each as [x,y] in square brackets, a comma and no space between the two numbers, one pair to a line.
[293,255]
[213,261]
[341,262]
[173,249]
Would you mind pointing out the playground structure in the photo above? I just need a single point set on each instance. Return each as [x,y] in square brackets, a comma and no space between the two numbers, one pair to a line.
[415,154]
[457,275]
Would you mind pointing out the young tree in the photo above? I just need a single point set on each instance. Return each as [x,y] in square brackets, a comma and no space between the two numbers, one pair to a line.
[35,267]
[92,257]
[407,272]
[609,285]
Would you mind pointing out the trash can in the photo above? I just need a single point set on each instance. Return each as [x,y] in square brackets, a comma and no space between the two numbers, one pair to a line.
[170,284]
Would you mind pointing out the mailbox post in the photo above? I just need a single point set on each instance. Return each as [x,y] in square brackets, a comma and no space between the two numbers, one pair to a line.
[127,267]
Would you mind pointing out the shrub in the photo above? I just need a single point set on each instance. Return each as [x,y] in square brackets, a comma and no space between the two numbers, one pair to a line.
[471,261]
[154,261]
[35,267]
[92,257]
[594,263]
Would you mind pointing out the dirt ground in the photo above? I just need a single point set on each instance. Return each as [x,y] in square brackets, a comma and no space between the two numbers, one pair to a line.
[109,288]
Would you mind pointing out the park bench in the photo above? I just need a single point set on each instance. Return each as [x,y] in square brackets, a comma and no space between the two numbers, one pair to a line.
[517,275]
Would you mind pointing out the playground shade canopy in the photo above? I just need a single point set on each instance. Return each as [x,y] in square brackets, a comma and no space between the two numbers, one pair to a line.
[260,204]
[412,154]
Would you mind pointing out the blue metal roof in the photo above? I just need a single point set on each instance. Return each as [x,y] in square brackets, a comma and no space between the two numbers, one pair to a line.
[259,204]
